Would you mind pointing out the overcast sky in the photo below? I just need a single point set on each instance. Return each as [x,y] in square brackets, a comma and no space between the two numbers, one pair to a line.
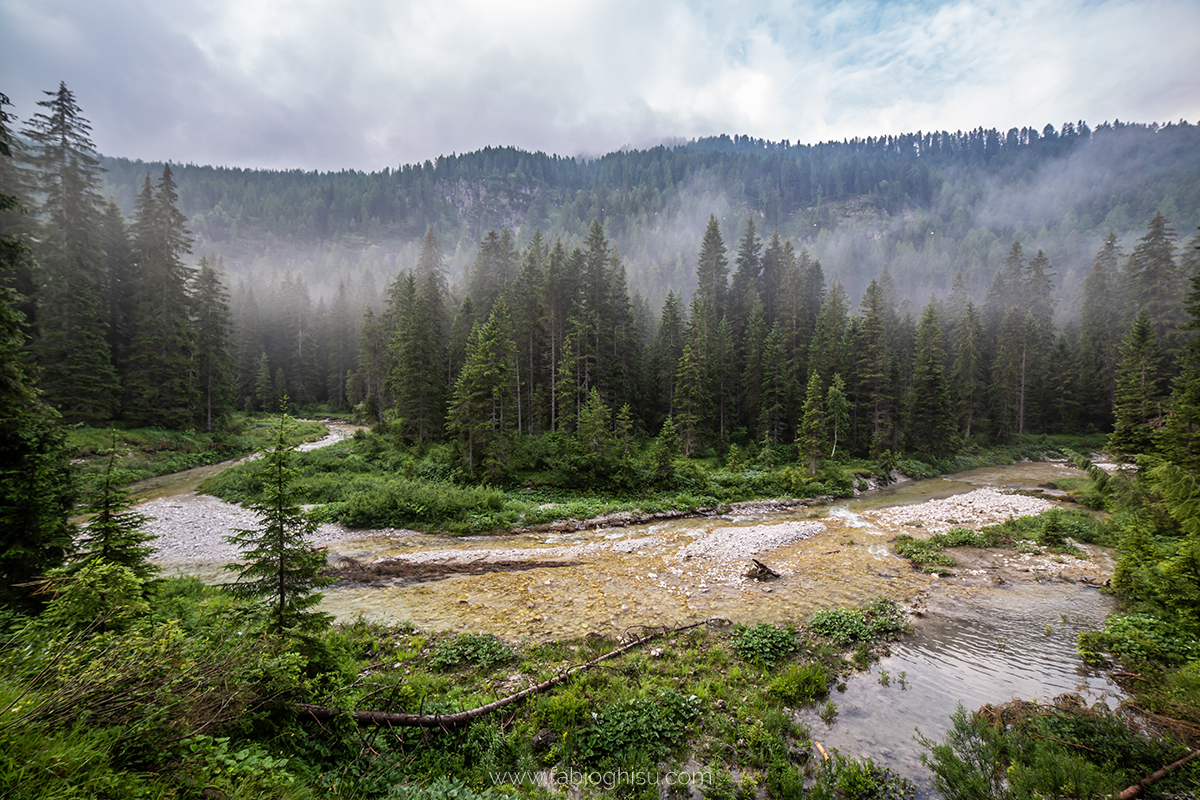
[363,84]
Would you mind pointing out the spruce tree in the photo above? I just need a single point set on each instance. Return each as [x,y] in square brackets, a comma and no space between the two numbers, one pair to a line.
[161,383]
[278,562]
[115,531]
[72,312]
[36,490]
[968,373]
[480,416]
[930,423]
[712,269]
[1099,335]
[810,436]
[874,368]
[691,399]
[1152,284]
[1180,437]
[214,360]
[1139,407]
[837,412]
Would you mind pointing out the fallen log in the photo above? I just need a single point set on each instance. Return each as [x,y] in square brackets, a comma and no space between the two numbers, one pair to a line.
[321,713]
[1155,777]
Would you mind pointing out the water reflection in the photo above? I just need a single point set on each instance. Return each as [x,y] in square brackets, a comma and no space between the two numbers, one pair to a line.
[973,647]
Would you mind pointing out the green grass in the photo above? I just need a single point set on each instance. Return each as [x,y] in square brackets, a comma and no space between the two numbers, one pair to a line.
[147,452]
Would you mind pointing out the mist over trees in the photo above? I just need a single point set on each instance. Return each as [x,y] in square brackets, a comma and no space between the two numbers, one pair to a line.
[735,290]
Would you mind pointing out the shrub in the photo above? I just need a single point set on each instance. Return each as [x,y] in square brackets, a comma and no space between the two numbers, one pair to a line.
[765,644]
[478,649]
[641,724]
[800,683]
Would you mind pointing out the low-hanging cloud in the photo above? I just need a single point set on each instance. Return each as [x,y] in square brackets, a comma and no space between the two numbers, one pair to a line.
[322,84]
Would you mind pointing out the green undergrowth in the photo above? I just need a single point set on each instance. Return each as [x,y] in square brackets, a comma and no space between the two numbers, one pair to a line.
[147,452]
[376,480]
[1064,749]
[185,700]
[1052,531]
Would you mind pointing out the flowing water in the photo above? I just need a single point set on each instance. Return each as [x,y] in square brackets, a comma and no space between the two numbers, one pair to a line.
[972,647]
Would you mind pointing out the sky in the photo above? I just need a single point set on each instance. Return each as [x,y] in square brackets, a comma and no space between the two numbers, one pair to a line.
[368,84]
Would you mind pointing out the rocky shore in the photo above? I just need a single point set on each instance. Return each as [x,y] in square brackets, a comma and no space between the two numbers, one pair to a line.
[974,510]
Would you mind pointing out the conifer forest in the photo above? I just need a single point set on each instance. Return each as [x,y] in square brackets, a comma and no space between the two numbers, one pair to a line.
[716,320]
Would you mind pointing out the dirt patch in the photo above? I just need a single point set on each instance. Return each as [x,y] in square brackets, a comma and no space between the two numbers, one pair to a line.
[355,571]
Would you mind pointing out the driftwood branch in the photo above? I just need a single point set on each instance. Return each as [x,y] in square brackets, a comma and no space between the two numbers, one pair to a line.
[1150,780]
[762,571]
[383,718]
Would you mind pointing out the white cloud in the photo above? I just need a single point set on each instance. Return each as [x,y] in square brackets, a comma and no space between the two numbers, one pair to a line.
[327,84]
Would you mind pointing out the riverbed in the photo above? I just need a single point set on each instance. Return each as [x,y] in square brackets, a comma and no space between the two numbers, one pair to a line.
[1003,625]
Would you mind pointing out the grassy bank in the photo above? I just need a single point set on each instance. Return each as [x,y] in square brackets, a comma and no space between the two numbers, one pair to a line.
[135,710]
[374,481]
[147,452]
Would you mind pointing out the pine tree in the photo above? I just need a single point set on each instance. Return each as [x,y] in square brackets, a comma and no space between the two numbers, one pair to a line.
[1099,335]
[1139,407]
[479,416]
[810,437]
[115,531]
[214,363]
[930,423]
[161,383]
[72,312]
[278,562]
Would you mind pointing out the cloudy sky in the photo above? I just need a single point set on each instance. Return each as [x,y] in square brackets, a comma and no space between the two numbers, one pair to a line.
[363,84]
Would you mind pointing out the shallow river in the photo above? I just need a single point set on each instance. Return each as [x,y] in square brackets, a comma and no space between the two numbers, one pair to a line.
[1001,630]
[976,642]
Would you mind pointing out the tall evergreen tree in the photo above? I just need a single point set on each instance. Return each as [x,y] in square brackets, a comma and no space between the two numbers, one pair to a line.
[930,423]
[837,412]
[480,417]
[36,492]
[874,368]
[810,436]
[1139,408]
[1099,335]
[1152,283]
[278,562]
[161,384]
[214,360]
[712,269]
[1180,438]
[969,373]
[72,312]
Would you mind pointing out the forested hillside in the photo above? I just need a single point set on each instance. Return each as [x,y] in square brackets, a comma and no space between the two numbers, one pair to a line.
[926,205]
[882,296]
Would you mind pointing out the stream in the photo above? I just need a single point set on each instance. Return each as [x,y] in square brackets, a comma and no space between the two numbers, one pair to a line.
[1003,626]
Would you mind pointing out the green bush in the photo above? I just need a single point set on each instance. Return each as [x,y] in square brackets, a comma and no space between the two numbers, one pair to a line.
[652,726]
[800,683]
[880,618]
[477,649]
[1142,637]
[765,644]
